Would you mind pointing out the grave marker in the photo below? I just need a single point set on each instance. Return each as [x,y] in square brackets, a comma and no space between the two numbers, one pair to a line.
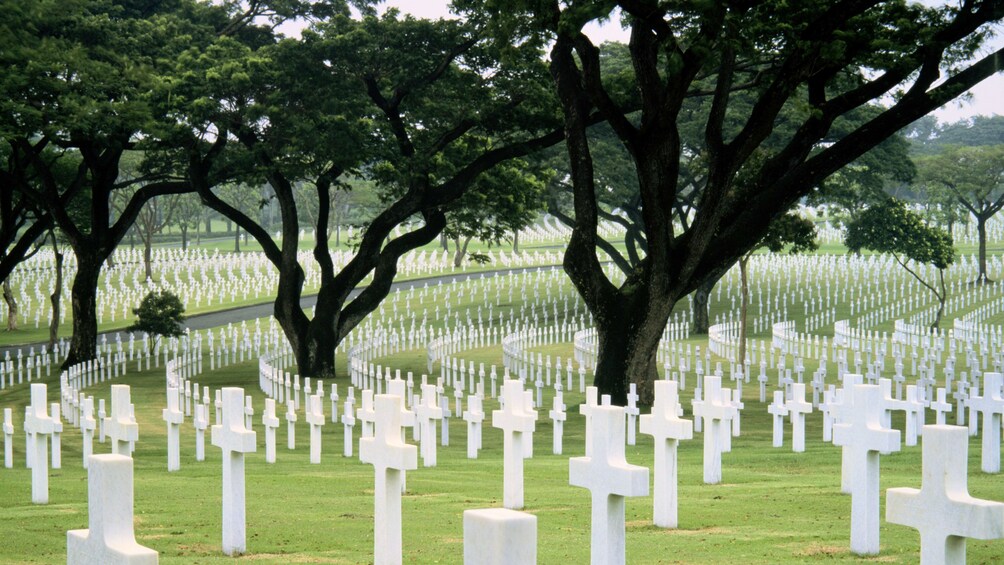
[942,510]
[109,539]
[390,457]
[667,429]
[863,438]
[234,440]
[515,421]
[609,479]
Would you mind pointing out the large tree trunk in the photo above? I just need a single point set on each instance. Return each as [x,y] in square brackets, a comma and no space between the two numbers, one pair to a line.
[84,342]
[461,251]
[981,230]
[184,237]
[628,343]
[237,239]
[702,301]
[148,257]
[8,297]
[515,241]
[57,293]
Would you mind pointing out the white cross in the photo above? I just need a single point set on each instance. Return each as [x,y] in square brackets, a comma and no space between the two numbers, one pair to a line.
[632,412]
[271,423]
[120,427]
[474,415]
[348,422]
[366,413]
[290,424]
[315,417]
[667,429]
[110,538]
[427,412]
[942,509]
[235,440]
[558,417]
[941,406]
[715,412]
[390,457]
[38,425]
[87,426]
[863,438]
[609,479]
[174,417]
[586,409]
[515,421]
[991,405]
[798,408]
[779,411]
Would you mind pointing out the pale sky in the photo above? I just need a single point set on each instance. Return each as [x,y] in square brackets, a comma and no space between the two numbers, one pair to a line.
[988,96]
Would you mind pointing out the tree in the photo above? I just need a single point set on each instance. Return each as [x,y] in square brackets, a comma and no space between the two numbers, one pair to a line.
[424,109]
[810,64]
[790,231]
[155,215]
[82,76]
[160,313]
[892,228]
[974,176]
[497,205]
[188,211]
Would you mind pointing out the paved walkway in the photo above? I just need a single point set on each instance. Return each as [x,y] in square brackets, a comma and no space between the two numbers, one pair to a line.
[236,315]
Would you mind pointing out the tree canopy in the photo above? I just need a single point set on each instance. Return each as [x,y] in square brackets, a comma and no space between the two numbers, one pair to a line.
[783,88]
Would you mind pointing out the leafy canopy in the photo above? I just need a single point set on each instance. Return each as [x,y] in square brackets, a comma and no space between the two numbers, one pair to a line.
[159,313]
[890,227]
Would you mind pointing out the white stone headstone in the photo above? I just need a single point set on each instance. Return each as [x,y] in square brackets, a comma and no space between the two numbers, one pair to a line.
[499,536]
[609,479]
[109,539]
[515,422]
[864,438]
[427,412]
[120,427]
[390,457]
[271,422]
[235,440]
[667,429]
[38,426]
[798,408]
[942,510]
[315,417]
[174,417]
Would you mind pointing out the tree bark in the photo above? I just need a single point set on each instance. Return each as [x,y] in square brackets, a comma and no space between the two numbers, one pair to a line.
[184,237]
[702,301]
[981,230]
[237,239]
[57,293]
[628,343]
[84,342]
[8,297]
[515,241]
[461,251]
[148,256]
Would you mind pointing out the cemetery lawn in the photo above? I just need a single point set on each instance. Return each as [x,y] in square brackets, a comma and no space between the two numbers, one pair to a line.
[773,506]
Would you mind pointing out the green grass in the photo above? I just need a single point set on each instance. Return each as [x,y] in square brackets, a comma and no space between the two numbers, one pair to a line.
[774,506]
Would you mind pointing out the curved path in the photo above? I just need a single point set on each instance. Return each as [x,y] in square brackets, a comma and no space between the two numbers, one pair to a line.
[233,315]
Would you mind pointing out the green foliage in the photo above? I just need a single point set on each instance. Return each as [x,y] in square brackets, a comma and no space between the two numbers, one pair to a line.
[159,313]
[890,227]
[795,232]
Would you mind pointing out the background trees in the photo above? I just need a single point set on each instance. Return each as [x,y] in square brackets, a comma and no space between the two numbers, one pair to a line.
[812,65]
[425,110]
[889,227]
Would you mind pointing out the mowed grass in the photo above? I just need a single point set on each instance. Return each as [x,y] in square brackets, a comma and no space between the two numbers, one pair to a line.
[774,506]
